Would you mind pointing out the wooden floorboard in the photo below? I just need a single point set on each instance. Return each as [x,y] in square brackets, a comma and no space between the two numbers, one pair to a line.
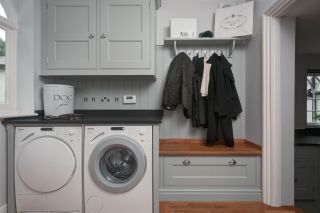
[223,207]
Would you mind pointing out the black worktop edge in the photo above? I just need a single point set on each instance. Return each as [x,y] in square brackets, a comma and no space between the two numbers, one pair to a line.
[96,117]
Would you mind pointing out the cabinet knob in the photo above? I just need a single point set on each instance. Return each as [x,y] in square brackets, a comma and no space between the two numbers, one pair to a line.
[233,162]
[91,36]
[103,36]
[186,162]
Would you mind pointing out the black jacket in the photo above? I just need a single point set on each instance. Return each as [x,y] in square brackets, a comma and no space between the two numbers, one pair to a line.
[178,86]
[199,104]
[223,101]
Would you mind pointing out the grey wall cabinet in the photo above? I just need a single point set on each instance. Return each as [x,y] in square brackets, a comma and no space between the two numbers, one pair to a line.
[99,37]
[210,178]
[306,172]
[71,37]
[125,34]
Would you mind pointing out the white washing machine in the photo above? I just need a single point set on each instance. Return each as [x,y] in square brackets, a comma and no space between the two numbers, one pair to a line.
[118,169]
[48,169]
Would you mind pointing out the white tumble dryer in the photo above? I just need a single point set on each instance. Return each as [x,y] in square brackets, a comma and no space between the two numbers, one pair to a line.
[118,169]
[48,169]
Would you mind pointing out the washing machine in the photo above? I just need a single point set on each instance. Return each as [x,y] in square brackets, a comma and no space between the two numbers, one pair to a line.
[118,169]
[48,169]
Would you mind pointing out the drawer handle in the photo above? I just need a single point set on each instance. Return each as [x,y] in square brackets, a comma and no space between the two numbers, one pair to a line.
[233,162]
[91,36]
[186,162]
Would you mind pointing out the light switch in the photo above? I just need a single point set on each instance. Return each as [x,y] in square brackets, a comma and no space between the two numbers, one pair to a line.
[129,99]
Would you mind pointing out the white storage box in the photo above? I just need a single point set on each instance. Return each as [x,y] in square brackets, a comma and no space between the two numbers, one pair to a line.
[58,99]
[183,28]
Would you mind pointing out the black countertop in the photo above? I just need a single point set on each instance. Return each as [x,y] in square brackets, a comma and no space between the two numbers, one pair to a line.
[307,137]
[94,117]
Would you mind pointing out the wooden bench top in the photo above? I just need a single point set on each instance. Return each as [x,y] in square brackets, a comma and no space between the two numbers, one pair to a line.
[197,147]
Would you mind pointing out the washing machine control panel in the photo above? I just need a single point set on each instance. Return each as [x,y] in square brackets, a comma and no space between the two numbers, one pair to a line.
[137,133]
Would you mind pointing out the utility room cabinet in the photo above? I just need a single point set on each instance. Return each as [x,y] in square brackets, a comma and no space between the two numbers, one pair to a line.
[71,38]
[99,37]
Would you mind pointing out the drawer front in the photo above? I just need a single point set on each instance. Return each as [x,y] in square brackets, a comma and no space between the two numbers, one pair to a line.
[211,171]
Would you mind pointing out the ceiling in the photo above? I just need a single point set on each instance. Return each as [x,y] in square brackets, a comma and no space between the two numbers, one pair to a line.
[307,13]
[306,9]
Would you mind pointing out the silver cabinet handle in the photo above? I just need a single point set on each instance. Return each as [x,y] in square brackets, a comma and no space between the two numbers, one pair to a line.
[91,36]
[186,162]
[103,36]
[233,162]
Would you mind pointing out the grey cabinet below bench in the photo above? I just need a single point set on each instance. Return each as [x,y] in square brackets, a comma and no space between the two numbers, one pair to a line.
[210,177]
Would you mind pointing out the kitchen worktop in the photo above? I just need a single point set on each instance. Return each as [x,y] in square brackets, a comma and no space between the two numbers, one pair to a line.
[307,137]
[94,117]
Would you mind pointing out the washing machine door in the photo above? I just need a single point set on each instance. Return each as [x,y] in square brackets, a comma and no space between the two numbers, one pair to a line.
[117,164]
[46,164]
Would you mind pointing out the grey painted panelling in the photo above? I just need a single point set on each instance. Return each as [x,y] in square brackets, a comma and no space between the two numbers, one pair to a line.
[3,166]
[149,94]
[254,74]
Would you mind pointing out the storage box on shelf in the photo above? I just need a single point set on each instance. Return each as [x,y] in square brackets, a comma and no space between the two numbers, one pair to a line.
[191,171]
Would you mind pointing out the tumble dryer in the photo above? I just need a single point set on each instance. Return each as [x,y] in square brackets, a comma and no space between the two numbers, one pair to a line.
[118,169]
[48,169]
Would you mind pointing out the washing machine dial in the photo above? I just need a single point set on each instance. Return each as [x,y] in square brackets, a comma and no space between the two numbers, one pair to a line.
[142,132]
[71,133]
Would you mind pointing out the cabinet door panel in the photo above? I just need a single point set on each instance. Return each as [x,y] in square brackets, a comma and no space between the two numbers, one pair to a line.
[71,34]
[210,172]
[125,34]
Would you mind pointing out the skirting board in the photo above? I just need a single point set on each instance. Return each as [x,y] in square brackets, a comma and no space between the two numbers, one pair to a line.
[3,209]
[166,195]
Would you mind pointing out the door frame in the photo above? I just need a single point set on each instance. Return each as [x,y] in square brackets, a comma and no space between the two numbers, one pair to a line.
[271,104]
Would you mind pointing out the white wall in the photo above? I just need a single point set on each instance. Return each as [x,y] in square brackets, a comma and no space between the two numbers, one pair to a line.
[26,55]
[287,109]
[254,74]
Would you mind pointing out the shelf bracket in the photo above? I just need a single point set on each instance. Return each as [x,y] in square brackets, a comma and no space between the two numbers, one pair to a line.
[175,47]
[231,48]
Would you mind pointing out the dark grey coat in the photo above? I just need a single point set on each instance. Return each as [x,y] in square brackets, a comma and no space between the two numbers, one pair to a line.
[199,103]
[178,86]
[223,101]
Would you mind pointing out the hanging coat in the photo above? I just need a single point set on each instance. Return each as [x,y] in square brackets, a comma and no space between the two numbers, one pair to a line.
[223,101]
[178,86]
[199,104]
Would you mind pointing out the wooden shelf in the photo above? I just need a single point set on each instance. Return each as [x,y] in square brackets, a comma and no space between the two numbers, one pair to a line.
[197,147]
[208,42]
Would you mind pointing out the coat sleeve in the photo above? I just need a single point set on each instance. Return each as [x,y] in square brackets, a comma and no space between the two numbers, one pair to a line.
[187,91]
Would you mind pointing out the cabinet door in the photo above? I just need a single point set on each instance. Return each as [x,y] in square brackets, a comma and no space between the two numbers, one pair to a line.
[305,172]
[71,34]
[125,34]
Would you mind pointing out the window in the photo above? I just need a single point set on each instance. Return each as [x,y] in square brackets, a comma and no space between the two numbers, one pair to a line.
[313,97]
[8,58]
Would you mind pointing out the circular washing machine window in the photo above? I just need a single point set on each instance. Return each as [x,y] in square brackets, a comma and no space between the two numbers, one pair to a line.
[117,164]
[46,164]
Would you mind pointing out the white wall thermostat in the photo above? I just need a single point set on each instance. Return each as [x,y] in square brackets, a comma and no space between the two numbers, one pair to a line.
[129,99]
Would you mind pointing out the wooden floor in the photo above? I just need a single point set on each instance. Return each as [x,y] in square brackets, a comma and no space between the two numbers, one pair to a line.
[223,207]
